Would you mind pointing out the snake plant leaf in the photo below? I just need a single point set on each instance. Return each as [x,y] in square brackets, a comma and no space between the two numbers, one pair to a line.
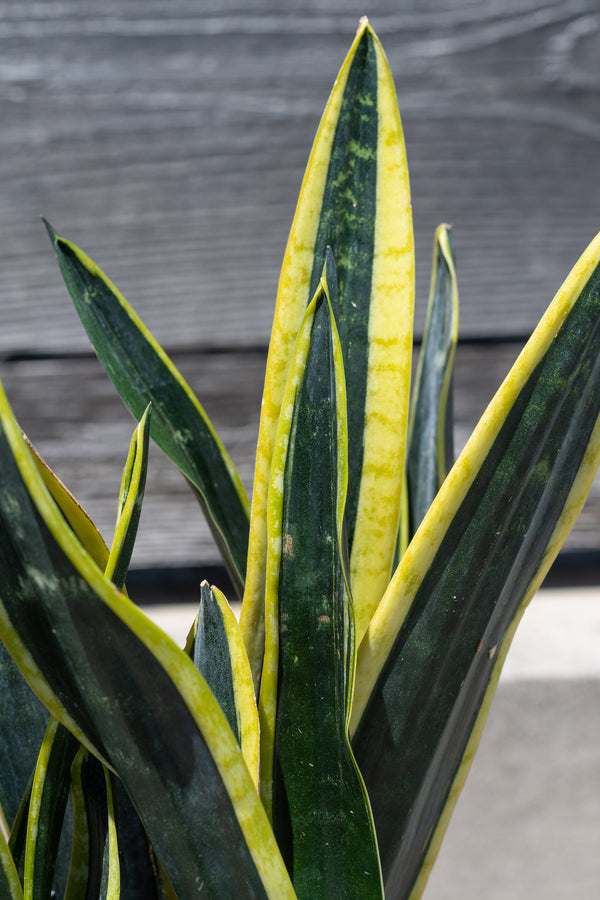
[131,496]
[139,868]
[78,873]
[52,780]
[354,198]
[430,661]
[27,711]
[219,654]
[10,884]
[19,831]
[74,513]
[138,875]
[17,841]
[90,653]
[105,869]
[404,524]
[23,718]
[23,721]
[267,705]
[49,795]
[96,864]
[430,439]
[319,797]
[211,655]
[142,373]
[270,665]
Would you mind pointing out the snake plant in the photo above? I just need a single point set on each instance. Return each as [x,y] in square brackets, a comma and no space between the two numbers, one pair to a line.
[315,748]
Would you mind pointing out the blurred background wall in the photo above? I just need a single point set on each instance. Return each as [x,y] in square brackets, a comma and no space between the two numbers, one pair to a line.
[169,140]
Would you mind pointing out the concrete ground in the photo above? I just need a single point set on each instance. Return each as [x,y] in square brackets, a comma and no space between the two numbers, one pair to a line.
[527,825]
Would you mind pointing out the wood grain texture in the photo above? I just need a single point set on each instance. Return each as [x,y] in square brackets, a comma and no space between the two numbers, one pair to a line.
[169,141]
[73,415]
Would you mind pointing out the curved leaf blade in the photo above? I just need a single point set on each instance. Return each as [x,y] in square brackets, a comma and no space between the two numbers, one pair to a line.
[218,651]
[139,868]
[74,513]
[97,873]
[23,721]
[91,654]
[430,442]
[17,841]
[10,885]
[355,198]
[130,503]
[49,795]
[319,797]
[143,374]
[267,703]
[430,661]
[211,655]
[76,887]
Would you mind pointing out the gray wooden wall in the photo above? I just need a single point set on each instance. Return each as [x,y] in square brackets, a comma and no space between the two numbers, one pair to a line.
[168,139]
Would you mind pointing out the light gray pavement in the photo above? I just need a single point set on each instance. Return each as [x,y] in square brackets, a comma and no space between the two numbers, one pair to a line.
[527,825]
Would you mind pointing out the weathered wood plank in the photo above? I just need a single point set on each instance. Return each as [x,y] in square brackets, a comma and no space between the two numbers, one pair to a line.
[73,415]
[169,140]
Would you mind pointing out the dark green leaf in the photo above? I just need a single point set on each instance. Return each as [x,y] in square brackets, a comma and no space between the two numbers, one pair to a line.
[430,443]
[130,503]
[516,490]
[23,721]
[97,661]
[143,374]
[319,801]
[140,878]
[102,875]
[347,225]
[49,795]
[355,198]
[211,655]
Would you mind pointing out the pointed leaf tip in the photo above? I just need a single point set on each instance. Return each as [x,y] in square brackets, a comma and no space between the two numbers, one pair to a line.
[51,232]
